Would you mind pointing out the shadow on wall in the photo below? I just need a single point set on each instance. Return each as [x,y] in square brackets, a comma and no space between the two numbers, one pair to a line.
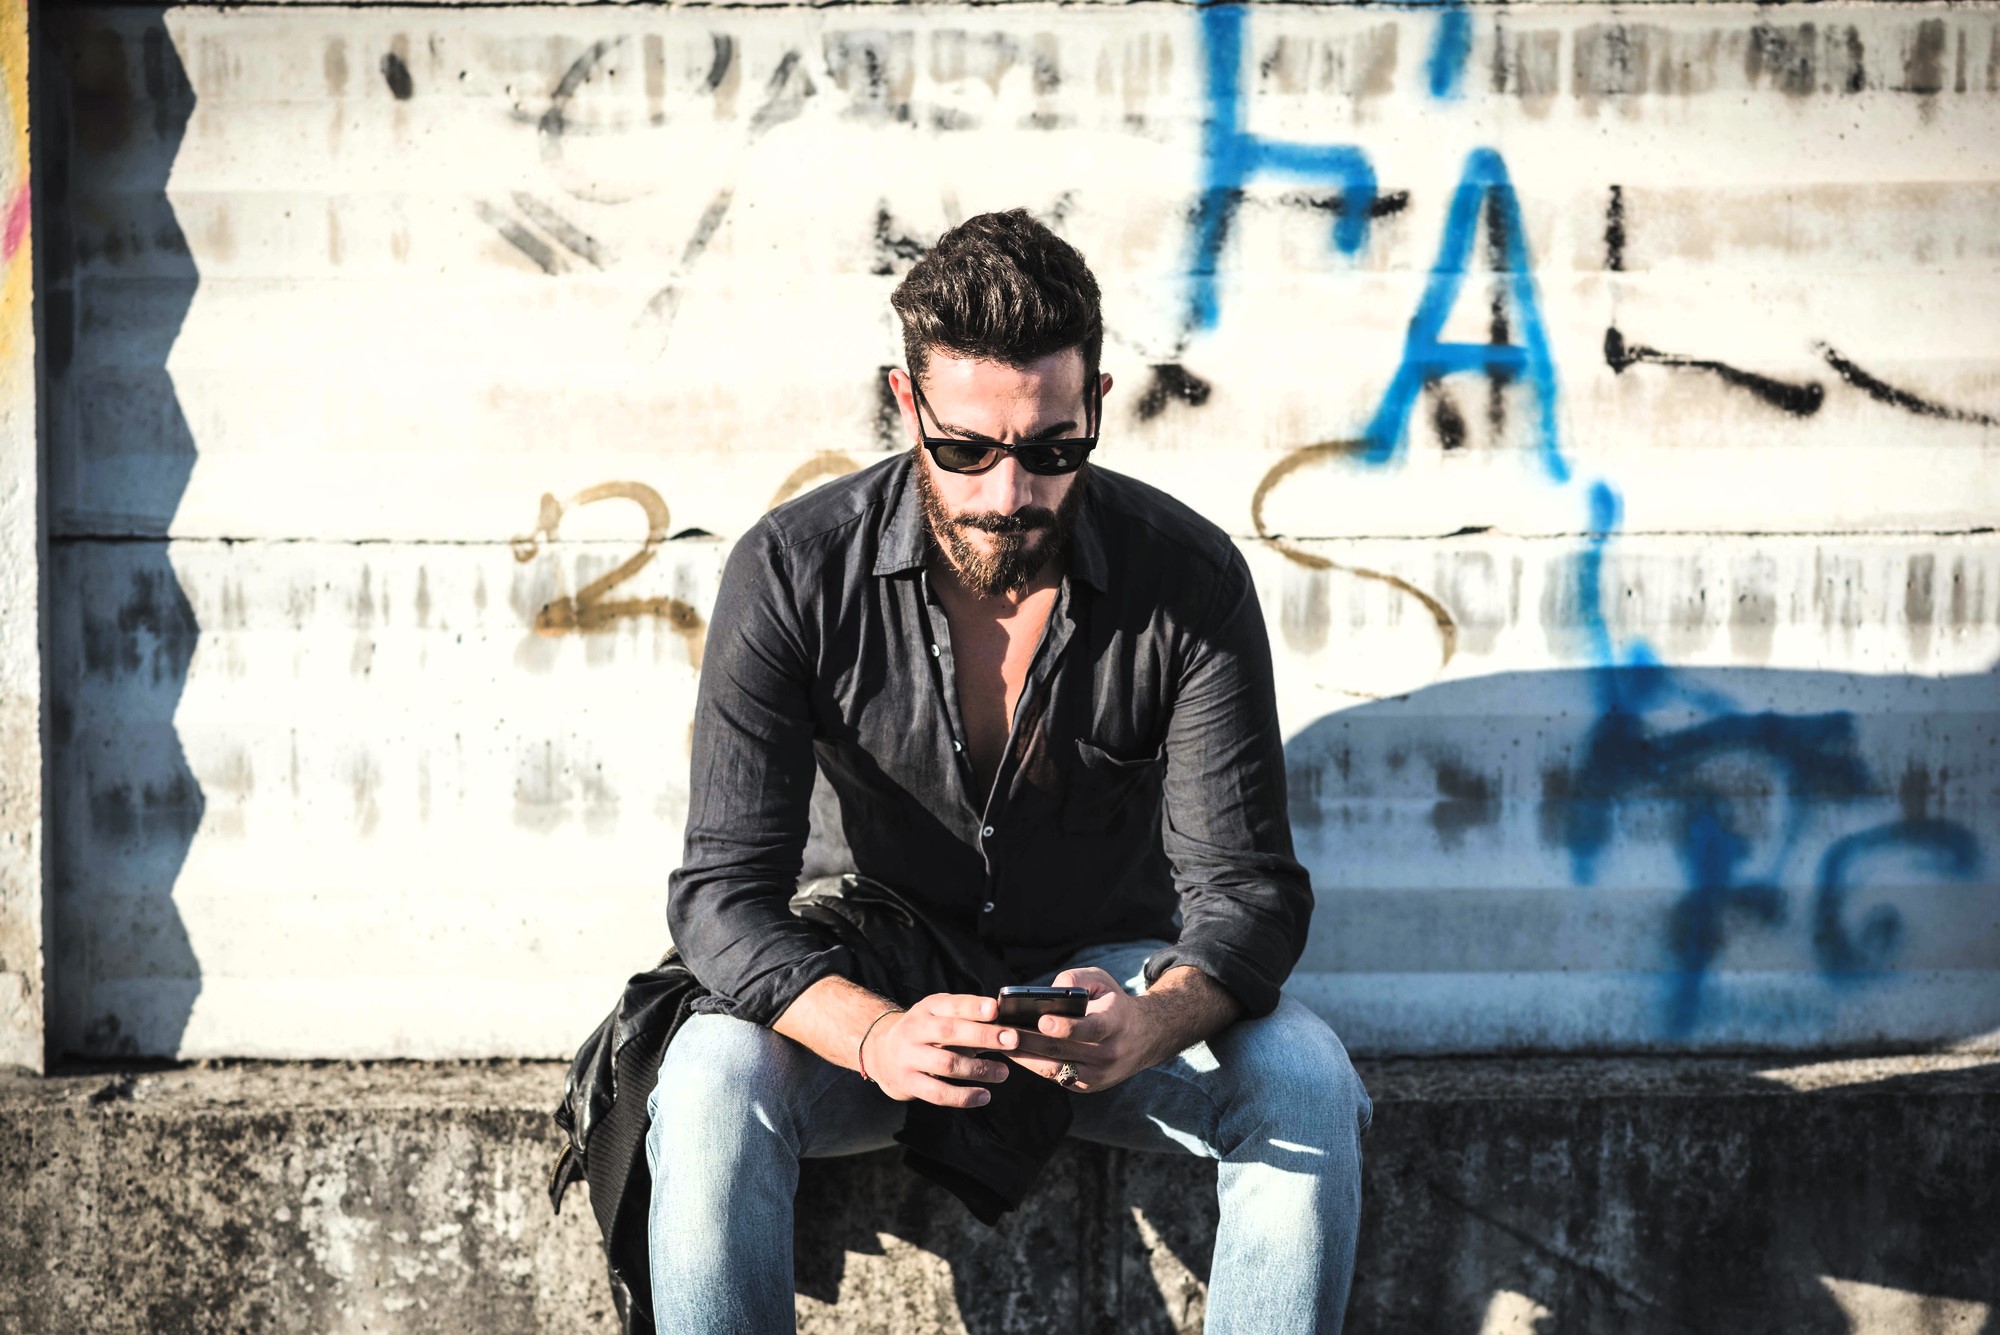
[1640,858]
[1746,1210]
[113,105]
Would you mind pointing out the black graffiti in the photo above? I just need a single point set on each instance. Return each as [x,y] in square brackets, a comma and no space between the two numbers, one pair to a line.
[578,241]
[725,54]
[532,244]
[1883,392]
[656,318]
[1614,231]
[784,97]
[1172,383]
[1320,201]
[1798,400]
[554,122]
[397,75]
[1446,419]
[895,248]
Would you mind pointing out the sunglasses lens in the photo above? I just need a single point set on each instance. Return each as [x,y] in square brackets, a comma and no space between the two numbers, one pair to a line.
[964,458]
[1050,459]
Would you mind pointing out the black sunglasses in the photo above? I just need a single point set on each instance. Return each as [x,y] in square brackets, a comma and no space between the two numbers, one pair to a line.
[1044,458]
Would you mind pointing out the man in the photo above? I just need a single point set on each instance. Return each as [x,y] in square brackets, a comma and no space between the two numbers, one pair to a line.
[1042,692]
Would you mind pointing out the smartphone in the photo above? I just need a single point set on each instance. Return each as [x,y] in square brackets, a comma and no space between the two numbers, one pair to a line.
[1022,1007]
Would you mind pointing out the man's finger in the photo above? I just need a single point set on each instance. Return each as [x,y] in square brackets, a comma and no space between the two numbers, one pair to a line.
[964,1067]
[1055,1049]
[966,1034]
[948,1096]
[963,1006]
[1083,1029]
[1093,980]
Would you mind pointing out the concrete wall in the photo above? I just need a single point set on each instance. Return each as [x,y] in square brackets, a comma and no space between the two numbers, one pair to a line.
[1608,401]
[22,906]
[1648,1197]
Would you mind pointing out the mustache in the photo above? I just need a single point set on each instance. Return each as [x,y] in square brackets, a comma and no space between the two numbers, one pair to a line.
[1028,519]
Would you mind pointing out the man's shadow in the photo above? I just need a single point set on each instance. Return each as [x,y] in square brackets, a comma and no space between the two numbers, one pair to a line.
[1111,1241]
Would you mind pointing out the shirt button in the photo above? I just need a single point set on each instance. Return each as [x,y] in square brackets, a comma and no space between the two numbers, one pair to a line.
[986,833]
[987,907]
[958,746]
[934,651]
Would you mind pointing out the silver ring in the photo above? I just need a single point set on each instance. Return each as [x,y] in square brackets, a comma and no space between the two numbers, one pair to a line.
[1066,1076]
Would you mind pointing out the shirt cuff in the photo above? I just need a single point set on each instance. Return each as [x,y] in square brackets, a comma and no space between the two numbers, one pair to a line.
[766,998]
[1254,986]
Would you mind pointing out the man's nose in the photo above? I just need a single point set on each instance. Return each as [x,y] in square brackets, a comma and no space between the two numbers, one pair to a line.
[1006,487]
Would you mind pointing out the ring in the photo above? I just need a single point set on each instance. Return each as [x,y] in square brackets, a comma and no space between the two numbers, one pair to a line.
[1066,1076]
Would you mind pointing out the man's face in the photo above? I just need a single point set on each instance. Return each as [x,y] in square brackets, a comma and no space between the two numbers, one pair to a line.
[999,528]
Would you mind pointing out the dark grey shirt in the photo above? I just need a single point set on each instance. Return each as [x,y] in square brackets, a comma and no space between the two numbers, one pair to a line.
[1144,769]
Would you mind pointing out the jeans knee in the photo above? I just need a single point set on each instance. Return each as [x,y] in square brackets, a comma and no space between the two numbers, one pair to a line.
[1294,1071]
[722,1078]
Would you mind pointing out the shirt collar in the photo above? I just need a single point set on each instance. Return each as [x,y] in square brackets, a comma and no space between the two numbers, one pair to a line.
[906,540]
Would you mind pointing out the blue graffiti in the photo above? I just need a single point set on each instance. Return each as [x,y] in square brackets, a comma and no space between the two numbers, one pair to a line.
[1949,849]
[1483,187]
[1625,756]
[1816,758]
[1232,157]
[1450,47]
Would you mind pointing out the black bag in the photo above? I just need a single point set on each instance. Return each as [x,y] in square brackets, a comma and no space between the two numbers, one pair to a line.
[603,1116]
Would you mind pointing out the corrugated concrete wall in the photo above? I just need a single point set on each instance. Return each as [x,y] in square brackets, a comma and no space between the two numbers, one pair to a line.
[1608,401]
[22,907]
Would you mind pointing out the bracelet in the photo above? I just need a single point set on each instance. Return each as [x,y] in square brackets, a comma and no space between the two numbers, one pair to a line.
[860,1049]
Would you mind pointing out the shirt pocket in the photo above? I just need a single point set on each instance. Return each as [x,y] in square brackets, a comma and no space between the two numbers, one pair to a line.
[1107,792]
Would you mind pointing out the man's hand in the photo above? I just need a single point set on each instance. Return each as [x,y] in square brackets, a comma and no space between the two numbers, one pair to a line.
[907,1053]
[1119,1034]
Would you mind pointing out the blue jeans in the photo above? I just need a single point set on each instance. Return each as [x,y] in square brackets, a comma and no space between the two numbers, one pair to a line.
[1273,1100]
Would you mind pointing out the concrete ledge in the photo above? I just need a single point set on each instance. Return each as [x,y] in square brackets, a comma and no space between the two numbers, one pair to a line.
[1604,1195]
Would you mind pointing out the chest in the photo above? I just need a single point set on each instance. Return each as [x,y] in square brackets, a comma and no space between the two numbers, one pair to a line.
[993,650]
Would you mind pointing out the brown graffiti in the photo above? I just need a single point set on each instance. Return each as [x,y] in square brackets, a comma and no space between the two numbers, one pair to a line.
[588,610]
[827,463]
[1447,628]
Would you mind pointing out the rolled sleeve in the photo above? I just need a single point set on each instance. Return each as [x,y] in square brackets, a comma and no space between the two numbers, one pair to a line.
[749,795]
[1246,903]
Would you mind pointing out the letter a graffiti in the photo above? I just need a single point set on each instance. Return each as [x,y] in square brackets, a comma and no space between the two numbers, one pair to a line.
[1426,358]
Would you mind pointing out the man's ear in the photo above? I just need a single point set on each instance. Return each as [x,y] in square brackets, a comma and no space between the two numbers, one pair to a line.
[1103,383]
[906,404]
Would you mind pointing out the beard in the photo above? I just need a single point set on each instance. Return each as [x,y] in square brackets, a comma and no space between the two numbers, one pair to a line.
[1021,545]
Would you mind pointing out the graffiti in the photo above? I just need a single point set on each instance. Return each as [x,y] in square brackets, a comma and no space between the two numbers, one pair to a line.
[1882,392]
[1171,383]
[824,465]
[565,233]
[1483,187]
[1947,849]
[1447,629]
[1798,400]
[1816,761]
[1614,231]
[1232,157]
[587,610]
[1451,45]
[1741,789]
[895,248]
[397,75]
[655,320]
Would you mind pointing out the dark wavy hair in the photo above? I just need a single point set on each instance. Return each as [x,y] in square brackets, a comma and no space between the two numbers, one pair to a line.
[1000,287]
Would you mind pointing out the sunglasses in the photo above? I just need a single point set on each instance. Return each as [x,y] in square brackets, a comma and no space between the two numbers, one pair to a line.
[1044,458]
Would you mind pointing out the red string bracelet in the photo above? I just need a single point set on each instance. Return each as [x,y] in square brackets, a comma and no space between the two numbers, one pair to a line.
[861,1048]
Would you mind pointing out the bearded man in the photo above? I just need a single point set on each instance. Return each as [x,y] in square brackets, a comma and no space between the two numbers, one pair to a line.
[1042,693]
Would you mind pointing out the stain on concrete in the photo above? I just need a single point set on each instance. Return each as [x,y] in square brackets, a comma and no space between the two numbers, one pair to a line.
[1466,801]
